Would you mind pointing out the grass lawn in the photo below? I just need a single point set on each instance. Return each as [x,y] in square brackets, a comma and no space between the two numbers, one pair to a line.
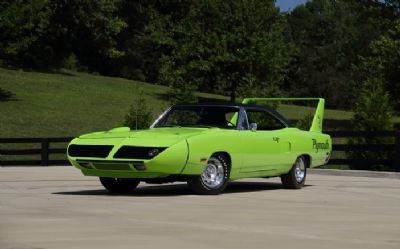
[69,104]
[54,105]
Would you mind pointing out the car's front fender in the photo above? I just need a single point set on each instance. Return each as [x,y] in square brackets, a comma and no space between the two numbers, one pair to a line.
[201,148]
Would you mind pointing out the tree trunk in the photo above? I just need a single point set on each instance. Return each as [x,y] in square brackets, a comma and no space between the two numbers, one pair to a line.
[233,94]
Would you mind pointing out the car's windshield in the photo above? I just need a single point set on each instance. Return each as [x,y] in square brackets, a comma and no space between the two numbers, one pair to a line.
[199,116]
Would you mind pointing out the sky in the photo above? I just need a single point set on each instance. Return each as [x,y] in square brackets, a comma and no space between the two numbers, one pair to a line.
[286,5]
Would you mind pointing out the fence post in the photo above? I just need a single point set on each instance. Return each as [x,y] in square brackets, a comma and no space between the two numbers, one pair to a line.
[396,154]
[45,152]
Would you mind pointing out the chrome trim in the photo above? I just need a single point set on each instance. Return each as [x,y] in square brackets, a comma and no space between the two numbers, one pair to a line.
[213,174]
[160,117]
[253,126]
[242,118]
[300,170]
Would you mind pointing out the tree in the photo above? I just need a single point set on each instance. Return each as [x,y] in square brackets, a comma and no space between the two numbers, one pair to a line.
[229,47]
[372,112]
[146,40]
[22,23]
[43,33]
[330,37]
[326,37]
[384,62]
[87,29]
[139,115]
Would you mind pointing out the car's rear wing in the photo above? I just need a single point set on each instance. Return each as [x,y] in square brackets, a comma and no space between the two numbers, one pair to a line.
[316,124]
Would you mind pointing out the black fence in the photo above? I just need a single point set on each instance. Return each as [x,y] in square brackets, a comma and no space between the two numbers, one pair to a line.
[46,149]
[393,148]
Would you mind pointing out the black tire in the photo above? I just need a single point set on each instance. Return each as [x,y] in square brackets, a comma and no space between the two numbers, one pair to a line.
[119,185]
[199,185]
[292,180]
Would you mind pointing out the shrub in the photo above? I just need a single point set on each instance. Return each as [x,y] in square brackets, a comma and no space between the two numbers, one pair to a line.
[71,62]
[372,112]
[139,115]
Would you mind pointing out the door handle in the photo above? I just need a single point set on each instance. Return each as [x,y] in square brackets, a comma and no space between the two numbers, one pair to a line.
[276,139]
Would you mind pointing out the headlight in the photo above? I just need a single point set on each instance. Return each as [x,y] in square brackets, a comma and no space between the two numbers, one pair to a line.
[138,152]
[153,152]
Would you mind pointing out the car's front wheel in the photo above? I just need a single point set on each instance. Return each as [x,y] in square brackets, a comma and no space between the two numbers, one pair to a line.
[119,185]
[214,179]
[296,177]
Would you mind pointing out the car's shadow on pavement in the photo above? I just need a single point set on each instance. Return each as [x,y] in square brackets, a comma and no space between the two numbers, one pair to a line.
[182,189]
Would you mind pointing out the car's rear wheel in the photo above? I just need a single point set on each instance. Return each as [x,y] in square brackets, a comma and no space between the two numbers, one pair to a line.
[296,177]
[214,179]
[119,185]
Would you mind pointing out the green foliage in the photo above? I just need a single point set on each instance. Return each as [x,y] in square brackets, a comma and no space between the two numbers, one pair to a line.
[331,37]
[181,91]
[42,33]
[230,47]
[71,62]
[146,38]
[22,23]
[372,112]
[139,116]
[328,41]
[94,25]
[237,48]
[384,61]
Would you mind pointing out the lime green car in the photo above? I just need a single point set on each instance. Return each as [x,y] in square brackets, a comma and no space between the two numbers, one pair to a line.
[206,145]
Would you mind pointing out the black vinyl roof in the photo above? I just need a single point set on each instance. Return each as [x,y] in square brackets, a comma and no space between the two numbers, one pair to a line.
[225,104]
[245,106]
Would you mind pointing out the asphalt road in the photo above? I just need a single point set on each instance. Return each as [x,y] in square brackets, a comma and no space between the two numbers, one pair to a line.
[57,207]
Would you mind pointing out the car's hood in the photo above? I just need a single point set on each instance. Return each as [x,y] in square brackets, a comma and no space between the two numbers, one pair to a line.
[155,136]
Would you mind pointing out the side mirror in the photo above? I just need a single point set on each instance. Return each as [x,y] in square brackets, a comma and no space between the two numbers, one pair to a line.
[253,126]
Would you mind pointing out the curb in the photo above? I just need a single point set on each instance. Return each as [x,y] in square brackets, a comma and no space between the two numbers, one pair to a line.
[356,173]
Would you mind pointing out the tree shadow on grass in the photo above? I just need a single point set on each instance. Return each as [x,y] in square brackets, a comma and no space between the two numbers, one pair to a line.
[61,71]
[6,95]
[181,189]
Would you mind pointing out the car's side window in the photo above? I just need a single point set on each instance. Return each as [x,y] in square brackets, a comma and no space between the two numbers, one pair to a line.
[265,121]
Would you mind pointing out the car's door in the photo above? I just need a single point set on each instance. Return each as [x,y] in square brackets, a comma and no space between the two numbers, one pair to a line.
[264,147]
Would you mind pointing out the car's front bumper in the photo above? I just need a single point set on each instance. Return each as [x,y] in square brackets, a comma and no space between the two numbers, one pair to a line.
[171,161]
[126,168]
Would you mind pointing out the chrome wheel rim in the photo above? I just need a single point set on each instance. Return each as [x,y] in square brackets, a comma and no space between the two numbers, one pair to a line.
[300,170]
[213,174]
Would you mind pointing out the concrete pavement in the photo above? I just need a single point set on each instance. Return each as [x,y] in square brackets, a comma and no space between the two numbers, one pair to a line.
[57,207]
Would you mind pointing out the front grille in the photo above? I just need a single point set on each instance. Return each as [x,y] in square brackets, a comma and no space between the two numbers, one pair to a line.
[134,152]
[101,151]
[112,166]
